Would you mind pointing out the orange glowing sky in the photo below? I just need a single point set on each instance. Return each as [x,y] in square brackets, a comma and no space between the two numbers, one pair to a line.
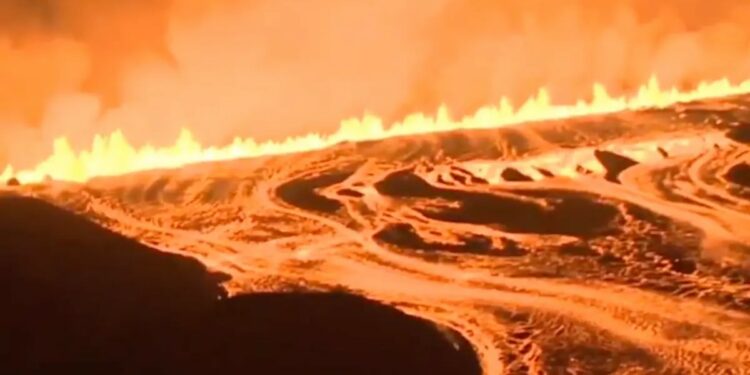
[276,68]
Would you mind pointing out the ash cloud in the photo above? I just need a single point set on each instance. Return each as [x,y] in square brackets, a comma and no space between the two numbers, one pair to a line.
[51,46]
[271,69]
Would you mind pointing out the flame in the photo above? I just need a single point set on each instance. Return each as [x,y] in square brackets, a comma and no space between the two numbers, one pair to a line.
[114,155]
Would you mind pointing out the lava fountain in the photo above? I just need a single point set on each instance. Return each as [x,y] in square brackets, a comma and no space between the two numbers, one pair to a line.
[112,154]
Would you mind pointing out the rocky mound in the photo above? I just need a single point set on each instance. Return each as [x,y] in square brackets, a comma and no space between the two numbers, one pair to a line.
[79,298]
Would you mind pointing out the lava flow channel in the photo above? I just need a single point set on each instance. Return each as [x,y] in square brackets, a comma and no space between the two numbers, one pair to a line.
[611,244]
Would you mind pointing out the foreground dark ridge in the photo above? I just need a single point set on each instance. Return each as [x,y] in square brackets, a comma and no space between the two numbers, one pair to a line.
[79,298]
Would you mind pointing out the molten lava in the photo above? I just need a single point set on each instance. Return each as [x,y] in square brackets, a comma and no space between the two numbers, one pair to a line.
[114,155]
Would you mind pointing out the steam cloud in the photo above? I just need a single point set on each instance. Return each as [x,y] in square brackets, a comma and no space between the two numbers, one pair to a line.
[275,68]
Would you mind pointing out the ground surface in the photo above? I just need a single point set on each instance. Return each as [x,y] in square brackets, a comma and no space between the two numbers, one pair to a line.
[615,244]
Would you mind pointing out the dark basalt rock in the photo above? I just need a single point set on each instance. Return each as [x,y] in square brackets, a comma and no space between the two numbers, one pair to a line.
[76,296]
[545,172]
[508,211]
[81,299]
[740,133]
[685,266]
[739,174]
[321,333]
[13,182]
[405,236]
[302,192]
[405,183]
[614,163]
[513,175]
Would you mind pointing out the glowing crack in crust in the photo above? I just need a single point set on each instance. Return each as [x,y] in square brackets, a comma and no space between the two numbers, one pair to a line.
[114,155]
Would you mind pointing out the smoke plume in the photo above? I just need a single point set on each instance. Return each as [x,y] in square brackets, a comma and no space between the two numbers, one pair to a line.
[275,68]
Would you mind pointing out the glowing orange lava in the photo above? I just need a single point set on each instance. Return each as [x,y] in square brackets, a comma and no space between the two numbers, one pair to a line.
[114,155]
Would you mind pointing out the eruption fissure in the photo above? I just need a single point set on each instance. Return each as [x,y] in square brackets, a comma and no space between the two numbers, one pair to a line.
[114,155]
